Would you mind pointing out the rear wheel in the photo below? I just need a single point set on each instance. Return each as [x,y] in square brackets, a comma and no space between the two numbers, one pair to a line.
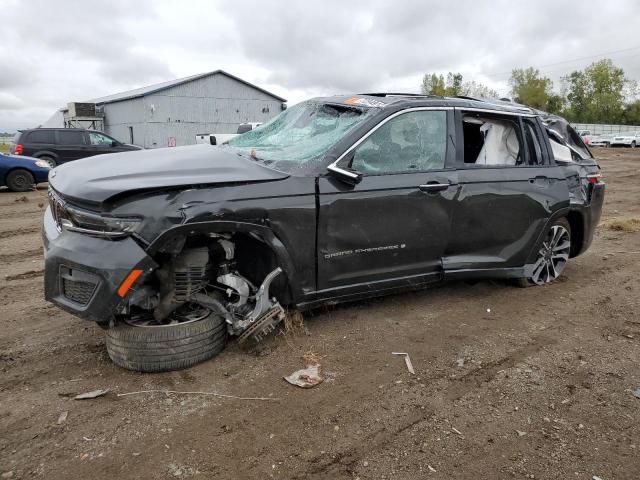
[20,180]
[552,257]
[50,160]
[190,337]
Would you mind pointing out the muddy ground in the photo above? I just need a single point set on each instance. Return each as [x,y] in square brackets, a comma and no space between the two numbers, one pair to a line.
[510,383]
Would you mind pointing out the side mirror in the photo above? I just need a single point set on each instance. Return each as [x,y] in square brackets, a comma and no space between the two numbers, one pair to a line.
[114,143]
[345,174]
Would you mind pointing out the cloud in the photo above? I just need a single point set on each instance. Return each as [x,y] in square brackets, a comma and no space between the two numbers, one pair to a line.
[59,51]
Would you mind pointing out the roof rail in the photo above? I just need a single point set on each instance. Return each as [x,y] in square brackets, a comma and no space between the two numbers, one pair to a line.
[392,94]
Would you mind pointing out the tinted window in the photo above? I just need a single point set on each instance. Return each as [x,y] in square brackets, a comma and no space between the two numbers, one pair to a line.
[42,136]
[71,137]
[99,139]
[411,142]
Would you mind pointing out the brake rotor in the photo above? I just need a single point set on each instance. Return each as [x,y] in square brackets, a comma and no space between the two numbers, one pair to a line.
[263,326]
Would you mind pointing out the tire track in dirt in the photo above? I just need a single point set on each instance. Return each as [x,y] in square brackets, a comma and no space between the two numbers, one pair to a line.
[19,231]
[11,257]
[342,465]
[25,275]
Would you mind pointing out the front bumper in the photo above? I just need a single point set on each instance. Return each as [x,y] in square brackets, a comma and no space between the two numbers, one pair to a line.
[82,273]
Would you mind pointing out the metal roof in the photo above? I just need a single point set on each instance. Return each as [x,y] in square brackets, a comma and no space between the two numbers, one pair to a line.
[141,92]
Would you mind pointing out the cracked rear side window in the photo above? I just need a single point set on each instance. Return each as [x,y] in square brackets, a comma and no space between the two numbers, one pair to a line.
[297,139]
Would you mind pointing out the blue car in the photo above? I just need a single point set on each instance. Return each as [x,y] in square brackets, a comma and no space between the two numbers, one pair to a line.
[20,173]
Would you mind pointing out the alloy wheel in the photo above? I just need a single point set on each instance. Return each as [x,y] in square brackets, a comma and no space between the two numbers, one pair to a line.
[552,256]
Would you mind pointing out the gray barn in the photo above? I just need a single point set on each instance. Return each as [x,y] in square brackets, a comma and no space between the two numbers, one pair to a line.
[173,113]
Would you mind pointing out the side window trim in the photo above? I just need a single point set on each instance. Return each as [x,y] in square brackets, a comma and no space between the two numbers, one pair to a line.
[520,132]
[394,117]
[340,163]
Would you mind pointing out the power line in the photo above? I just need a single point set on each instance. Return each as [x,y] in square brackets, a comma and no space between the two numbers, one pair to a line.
[568,61]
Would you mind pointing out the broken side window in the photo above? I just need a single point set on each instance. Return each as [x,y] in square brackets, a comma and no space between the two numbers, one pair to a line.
[492,141]
[411,142]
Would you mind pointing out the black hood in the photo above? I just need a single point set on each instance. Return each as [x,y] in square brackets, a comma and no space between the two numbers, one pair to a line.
[96,179]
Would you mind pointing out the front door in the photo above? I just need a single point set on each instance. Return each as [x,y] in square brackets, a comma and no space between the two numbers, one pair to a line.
[391,229]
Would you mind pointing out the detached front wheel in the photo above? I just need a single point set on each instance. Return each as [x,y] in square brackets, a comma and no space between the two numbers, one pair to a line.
[552,257]
[188,338]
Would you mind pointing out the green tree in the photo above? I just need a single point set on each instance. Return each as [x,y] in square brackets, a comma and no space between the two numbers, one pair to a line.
[631,115]
[433,84]
[597,94]
[530,88]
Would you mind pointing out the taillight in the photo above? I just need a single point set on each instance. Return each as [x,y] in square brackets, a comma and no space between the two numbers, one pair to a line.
[19,149]
[594,178]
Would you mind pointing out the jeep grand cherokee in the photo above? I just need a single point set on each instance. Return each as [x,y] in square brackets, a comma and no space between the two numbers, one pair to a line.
[336,199]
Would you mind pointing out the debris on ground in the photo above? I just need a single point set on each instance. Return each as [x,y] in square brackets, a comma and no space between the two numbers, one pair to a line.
[215,394]
[22,199]
[90,395]
[521,433]
[293,324]
[622,224]
[431,469]
[456,431]
[407,360]
[63,417]
[309,376]
[636,392]
[460,362]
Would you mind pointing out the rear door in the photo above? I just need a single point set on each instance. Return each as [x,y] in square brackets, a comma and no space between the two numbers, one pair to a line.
[509,187]
[39,142]
[72,144]
[390,229]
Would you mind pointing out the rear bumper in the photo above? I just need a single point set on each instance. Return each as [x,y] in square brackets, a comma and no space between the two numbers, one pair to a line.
[82,273]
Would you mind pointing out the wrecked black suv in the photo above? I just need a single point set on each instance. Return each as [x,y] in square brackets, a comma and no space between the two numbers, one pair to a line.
[336,199]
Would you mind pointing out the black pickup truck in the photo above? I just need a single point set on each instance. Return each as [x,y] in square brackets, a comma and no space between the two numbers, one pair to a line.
[336,199]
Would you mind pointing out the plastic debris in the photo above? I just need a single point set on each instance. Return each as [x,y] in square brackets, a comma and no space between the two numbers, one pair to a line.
[407,360]
[636,393]
[63,417]
[306,378]
[309,376]
[431,469]
[90,395]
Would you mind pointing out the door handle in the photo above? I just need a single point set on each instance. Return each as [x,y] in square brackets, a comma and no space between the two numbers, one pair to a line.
[540,180]
[432,187]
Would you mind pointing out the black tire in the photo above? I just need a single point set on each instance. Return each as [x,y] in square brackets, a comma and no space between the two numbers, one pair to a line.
[530,282]
[50,160]
[166,348]
[20,180]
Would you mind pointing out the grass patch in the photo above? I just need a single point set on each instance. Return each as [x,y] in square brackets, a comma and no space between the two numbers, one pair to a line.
[621,224]
[4,148]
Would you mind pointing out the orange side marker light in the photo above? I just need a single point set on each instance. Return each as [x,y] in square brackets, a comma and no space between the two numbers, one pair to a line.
[129,281]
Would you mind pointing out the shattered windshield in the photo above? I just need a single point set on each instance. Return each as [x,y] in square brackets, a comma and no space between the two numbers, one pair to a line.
[300,136]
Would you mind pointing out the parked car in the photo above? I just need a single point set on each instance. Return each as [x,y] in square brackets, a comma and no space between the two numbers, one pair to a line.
[586,136]
[627,139]
[336,199]
[20,174]
[60,145]
[603,140]
[220,138]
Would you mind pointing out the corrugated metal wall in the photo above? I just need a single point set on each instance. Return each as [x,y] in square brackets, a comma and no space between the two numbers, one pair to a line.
[601,129]
[214,104]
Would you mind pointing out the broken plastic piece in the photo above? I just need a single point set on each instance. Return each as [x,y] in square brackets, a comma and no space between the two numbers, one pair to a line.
[90,395]
[407,360]
[306,378]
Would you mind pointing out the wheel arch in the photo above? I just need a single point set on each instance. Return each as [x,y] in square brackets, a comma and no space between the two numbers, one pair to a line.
[577,224]
[246,231]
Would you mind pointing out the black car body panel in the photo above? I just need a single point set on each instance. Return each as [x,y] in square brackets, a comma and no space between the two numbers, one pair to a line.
[336,236]
[95,182]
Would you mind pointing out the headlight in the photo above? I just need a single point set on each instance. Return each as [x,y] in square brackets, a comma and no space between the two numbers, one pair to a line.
[43,164]
[86,222]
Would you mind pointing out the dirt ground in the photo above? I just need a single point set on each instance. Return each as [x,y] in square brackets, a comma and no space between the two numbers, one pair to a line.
[510,383]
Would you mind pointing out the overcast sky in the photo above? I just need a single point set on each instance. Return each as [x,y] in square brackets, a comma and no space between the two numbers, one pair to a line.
[56,51]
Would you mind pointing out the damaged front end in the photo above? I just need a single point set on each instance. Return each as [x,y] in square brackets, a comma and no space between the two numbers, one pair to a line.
[205,276]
